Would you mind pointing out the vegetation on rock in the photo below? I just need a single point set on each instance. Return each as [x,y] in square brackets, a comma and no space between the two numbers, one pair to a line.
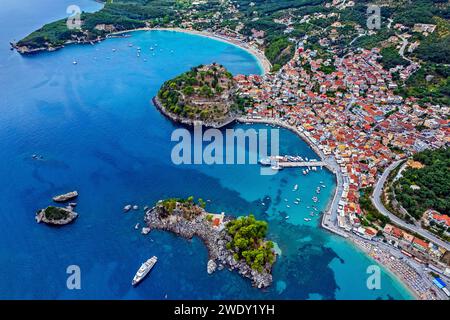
[248,242]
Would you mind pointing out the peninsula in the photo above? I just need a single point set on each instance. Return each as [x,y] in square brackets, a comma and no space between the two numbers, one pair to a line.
[238,244]
[206,94]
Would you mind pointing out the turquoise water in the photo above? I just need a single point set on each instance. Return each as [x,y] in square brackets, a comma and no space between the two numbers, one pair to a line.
[98,133]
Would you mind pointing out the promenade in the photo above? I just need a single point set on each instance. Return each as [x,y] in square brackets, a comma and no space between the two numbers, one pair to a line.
[412,274]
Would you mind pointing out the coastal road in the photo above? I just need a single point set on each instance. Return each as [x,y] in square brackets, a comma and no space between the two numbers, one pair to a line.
[376,200]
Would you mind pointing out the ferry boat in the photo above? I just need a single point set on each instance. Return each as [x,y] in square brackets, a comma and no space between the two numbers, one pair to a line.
[144,270]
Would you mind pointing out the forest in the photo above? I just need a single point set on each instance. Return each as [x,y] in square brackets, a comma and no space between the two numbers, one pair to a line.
[433,182]
[248,242]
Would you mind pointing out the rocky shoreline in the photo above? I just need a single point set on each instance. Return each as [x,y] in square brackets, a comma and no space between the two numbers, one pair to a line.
[215,240]
[42,217]
[190,122]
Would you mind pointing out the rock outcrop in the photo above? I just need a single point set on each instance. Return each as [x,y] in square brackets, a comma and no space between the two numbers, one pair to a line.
[56,216]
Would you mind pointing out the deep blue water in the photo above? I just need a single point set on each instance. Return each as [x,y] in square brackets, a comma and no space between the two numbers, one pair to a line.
[98,133]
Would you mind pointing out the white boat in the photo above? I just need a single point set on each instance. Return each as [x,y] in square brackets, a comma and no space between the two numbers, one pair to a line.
[304,172]
[295,187]
[265,161]
[307,219]
[75,62]
[136,226]
[144,270]
[276,167]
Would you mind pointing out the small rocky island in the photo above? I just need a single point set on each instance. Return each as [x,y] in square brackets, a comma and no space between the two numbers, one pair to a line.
[238,244]
[56,216]
[205,95]
[66,197]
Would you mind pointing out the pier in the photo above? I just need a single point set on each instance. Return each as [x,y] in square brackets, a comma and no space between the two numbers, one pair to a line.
[297,164]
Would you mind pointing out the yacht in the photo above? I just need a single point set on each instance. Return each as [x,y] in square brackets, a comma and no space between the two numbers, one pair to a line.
[144,270]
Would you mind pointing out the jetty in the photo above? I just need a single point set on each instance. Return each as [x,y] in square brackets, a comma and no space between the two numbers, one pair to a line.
[298,164]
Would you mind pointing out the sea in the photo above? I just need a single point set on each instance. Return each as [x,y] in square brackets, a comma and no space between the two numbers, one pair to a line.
[93,128]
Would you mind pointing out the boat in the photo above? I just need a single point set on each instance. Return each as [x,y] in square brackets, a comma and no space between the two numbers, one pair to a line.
[288,206]
[265,161]
[144,270]
[304,172]
[315,199]
[145,230]
[307,219]
[276,167]
[75,62]
[295,187]
[136,226]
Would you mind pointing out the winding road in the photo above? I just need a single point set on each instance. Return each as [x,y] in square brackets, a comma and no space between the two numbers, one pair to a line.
[376,200]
